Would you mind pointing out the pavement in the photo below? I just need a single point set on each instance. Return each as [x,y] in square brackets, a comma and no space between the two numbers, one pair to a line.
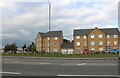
[13,66]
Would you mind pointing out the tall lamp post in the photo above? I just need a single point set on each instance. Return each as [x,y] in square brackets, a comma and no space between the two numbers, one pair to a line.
[49,23]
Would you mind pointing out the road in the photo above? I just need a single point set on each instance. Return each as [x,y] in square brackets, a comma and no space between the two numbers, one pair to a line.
[50,67]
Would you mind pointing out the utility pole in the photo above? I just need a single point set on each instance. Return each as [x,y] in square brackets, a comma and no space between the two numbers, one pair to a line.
[49,23]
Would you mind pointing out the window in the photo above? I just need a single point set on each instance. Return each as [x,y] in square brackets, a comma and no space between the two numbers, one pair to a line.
[55,44]
[115,43]
[55,50]
[100,36]
[77,50]
[48,49]
[78,43]
[48,44]
[100,49]
[92,43]
[84,37]
[48,38]
[108,42]
[77,37]
[85,44]
[55,38]
[92,36]
[115,36]
[93,49]
[100,43]
[108,36]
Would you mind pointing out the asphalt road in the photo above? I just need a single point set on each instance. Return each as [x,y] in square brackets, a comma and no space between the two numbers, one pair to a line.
[49,67]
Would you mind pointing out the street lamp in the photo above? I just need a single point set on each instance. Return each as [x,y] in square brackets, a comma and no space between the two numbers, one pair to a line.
[49,23]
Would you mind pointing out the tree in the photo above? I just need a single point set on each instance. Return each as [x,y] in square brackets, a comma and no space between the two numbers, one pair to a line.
[32,47]
[23,47]
[13,47]
[7,48]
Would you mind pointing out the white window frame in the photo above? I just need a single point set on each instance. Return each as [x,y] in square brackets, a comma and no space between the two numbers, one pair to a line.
[48,38]
[85,43]
[93,49]
[77,43]
[55,38]
[101,49]
[108,42]
[92,36]
[92,43]
[108,36]
[115,36]
[77,37]
[100,36]
[115,42]
[48,50]
[100,43]
[84,36]
[48,44]
[55,50]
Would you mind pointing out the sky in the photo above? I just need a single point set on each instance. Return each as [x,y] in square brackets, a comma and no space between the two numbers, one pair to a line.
[21,21]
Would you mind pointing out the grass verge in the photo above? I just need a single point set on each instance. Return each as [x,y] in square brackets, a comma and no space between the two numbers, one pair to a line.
[61,55]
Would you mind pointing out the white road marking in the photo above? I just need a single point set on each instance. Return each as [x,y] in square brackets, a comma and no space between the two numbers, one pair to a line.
[44,63]
[103,64]
[9,73]
[82,64]
[12,62]
[74,64]
[92,75]
[40,63]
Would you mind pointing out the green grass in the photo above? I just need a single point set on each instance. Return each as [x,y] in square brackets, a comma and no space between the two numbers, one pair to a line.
[68,56]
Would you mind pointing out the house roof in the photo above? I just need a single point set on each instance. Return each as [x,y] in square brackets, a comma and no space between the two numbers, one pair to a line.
[82,32]
[53,34]
[42,34]
[87,31]
[110,31]
[67,45]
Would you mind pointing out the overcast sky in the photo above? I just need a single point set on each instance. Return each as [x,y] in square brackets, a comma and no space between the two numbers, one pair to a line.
[21,21]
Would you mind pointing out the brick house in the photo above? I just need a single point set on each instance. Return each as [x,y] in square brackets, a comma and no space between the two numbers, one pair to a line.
[95,39]
[67,48]
[49,42]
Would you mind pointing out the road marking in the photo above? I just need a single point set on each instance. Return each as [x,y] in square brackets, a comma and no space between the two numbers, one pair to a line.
[101,64]
[74,64]
[82,64]
[38,63]
[9,73]
[12,62]
[44,63]
[92,75]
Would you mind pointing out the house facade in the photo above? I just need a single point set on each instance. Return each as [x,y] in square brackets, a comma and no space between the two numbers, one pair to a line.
[49,42]
[67,48]
[96,39]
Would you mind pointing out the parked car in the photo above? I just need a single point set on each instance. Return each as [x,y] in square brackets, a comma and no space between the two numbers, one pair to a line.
[113,51]
[88,52]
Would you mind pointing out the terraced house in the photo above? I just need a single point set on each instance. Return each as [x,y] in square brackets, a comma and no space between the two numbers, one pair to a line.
[96,39]
[49,42]
[91,39]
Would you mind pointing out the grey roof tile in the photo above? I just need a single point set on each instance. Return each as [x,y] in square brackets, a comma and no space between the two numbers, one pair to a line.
[109,31]
[52,34]
[67,46]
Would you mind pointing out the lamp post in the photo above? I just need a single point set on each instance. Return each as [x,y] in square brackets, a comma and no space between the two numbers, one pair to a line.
[49,23]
